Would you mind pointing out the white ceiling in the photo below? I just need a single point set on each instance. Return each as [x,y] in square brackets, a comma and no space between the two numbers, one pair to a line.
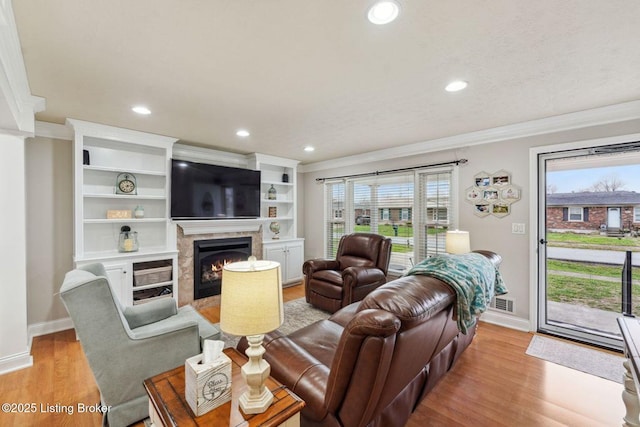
[299,73]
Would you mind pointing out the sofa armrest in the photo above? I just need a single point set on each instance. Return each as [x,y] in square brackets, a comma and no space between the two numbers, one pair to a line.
[362,276]
[313,265]
[297,369]
[150,312]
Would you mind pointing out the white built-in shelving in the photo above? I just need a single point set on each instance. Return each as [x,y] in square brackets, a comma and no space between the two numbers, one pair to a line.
[287,248]
[113,151]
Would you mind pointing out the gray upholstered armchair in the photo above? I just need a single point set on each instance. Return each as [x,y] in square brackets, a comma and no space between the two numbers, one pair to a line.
[124,346]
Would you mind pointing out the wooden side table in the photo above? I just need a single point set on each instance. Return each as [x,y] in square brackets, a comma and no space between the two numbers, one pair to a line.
[168,407]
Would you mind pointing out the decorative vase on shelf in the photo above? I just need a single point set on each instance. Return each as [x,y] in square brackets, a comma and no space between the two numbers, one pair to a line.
[138,212]
[272,193]
[285,176]
[275,229]
[128,241]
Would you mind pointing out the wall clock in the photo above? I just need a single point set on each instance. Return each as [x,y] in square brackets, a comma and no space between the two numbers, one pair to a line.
[126,184]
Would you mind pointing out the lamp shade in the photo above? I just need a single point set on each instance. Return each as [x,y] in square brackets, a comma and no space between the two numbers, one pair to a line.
[251,298]
[457,242]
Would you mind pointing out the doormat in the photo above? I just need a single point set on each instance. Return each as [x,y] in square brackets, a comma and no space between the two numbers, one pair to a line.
[297,314]
[594,362]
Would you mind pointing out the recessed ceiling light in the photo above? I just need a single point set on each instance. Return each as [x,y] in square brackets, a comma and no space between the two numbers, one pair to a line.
[383,12]
[243,133]
[308,148]
[456,85]
[141,109]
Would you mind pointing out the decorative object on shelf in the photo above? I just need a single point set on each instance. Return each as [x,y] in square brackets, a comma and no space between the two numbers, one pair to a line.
[285,176]
[128,240]
[273,211]
[85,157]
[275,229]
[251,305]
[493,194]
[138,212]
[272,193]
[126,184]
[118,214]
[457,242]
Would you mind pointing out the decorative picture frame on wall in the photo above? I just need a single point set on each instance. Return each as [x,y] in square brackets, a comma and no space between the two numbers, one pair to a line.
[492,194]
[482,179]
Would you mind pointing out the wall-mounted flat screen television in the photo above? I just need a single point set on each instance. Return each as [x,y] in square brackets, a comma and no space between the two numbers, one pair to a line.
[203,191]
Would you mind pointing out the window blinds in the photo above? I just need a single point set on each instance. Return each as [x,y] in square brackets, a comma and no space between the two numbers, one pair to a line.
[334,215]
[413,208]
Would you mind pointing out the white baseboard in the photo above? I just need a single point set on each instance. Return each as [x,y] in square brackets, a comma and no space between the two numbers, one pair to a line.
[506,320]
[44,328]
[15,362]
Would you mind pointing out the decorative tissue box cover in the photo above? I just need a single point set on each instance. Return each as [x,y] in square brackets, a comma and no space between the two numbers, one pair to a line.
[207,386]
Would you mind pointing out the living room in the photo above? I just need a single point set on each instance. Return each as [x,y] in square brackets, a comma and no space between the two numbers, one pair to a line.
[598,106]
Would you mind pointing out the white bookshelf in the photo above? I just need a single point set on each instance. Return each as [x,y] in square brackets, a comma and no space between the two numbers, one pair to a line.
[145,156]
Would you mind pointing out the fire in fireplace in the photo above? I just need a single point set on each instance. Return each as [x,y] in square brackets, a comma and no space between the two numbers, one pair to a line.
[210,256]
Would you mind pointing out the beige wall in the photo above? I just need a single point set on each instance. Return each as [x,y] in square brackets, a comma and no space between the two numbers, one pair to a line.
[486,233]
[49,179]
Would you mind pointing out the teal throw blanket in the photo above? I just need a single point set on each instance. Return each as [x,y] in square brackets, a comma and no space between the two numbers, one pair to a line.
[474,278]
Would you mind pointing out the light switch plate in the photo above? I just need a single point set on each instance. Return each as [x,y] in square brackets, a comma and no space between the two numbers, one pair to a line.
[518,228]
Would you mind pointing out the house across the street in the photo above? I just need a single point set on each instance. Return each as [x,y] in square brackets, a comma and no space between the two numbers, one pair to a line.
[594,211]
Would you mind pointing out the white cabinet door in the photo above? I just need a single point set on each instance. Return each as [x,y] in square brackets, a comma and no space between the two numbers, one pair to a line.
[290,255]
[276,253]
[295,256]
[119,275]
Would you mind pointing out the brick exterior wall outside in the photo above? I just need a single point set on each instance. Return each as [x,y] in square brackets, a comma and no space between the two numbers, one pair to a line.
[597,216]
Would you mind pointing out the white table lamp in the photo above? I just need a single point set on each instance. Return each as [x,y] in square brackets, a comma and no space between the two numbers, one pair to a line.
[251,305]
[457,242]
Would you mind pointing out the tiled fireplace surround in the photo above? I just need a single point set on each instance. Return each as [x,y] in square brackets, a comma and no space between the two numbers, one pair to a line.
[185,261]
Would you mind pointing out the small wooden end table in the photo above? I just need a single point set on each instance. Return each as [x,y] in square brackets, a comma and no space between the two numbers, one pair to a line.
[168,407]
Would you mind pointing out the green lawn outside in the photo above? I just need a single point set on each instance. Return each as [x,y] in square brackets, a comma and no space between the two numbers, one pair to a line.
[591,240]
[588,268]
[589,293]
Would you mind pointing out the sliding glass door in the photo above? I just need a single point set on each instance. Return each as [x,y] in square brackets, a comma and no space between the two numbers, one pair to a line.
[589,211]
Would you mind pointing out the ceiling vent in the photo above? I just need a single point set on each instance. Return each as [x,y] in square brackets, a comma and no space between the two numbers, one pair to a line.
[507,305]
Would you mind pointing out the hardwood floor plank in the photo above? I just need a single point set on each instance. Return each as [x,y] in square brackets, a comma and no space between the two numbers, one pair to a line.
[494,383]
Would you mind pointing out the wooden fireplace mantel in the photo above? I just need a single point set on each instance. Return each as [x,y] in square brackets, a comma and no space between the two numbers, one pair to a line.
[190,227]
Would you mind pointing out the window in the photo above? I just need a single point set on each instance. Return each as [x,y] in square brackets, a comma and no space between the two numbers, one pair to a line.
[436,207]
[636,214]
[385,204]
[335,206]
[575,214]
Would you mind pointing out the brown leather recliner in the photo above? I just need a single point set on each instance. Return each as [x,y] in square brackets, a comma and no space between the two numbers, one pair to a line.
[361,265]
[372,362]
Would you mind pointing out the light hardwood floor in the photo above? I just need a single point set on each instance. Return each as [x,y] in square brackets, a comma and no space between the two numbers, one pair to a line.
[493,384]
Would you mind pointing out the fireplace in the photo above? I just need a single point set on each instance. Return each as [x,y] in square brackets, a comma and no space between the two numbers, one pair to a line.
[210,256]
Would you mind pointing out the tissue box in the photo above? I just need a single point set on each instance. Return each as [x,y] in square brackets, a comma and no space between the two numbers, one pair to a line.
[207,385]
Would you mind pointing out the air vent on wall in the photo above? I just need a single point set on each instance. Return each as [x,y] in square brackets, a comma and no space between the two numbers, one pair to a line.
[508,305]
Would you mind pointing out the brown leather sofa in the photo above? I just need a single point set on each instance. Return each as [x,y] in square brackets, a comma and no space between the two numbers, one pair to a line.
[373,361]
[361,265]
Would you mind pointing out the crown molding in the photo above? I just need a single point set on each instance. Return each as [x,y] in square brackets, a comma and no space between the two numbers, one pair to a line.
[565,122]
[207,155]
[119,134]
[53,130]
[17,105]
